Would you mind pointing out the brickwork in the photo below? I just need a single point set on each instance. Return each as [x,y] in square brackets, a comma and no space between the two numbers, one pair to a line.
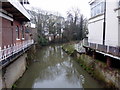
[9,32]
[0,32]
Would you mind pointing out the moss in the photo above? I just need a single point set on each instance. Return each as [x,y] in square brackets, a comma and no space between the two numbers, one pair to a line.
[69,49]
[14,86]
[90,65]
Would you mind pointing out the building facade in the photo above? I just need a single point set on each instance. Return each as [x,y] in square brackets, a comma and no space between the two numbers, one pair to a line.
[104,26]
[13,17]
[14,36]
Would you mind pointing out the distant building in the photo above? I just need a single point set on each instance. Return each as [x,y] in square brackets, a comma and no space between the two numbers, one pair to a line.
[32,30]
[104,26]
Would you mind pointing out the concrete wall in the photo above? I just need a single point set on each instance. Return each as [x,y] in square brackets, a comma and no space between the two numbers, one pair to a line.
[14,71]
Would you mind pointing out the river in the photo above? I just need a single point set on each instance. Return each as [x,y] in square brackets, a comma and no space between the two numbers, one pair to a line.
[53,68]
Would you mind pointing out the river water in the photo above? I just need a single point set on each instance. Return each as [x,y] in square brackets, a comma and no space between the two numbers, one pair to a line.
[53,68]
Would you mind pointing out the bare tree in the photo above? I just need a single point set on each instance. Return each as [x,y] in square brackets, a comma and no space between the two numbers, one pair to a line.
[46,22]
[75,27]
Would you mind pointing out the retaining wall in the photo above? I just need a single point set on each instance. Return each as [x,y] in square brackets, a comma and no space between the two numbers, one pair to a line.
[13,72]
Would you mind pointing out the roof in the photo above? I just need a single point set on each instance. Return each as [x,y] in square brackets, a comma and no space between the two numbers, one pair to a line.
[91,2]
[16,9]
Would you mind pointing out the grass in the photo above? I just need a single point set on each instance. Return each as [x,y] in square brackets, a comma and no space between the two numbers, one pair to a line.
[69,48]
[14,86]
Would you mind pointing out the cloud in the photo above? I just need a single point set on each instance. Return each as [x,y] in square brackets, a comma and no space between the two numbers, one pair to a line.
[62,6]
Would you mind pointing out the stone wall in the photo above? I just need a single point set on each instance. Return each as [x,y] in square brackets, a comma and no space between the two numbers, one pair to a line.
[111,77]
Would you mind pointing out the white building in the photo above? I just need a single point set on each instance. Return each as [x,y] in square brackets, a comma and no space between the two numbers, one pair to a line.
[105,37]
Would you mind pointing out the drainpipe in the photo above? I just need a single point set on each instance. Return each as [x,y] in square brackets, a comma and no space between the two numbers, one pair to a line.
[104,23]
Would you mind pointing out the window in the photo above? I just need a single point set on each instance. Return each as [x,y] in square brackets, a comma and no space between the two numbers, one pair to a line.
[119,20]
[102,7]
[22,32]
[97,9]
[119,3]
[17,32]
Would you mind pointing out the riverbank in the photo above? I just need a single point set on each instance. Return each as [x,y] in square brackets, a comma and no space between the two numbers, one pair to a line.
[96,68]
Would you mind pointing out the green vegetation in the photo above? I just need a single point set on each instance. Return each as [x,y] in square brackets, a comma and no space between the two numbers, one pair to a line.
[96,68]
[42,41]
[14,86]
[73,27]
[69,49]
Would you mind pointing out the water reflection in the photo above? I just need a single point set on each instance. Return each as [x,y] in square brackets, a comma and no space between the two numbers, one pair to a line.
[55,69]
[56,72]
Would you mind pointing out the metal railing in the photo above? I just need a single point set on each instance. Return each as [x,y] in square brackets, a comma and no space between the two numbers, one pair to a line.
[11,50]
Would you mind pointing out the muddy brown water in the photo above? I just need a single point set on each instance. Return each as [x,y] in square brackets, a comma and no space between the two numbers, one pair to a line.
[53,68]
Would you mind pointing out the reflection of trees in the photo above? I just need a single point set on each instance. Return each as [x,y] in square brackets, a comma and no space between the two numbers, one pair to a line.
[49,63]
[54,66]
[71,72]
[51,66]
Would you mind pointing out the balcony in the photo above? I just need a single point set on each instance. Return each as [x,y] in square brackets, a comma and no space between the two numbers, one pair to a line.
[15,8]
[8,54]
[106,50]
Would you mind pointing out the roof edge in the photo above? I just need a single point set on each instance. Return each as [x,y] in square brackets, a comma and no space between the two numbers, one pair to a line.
[20,8]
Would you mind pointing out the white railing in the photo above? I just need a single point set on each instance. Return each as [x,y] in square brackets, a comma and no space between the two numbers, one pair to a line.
[79,47]
[13,49]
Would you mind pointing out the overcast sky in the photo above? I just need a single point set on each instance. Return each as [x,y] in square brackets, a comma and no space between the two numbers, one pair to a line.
[62,6]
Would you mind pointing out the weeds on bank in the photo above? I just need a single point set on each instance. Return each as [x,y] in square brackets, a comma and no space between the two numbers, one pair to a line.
[14,86]
[69,49]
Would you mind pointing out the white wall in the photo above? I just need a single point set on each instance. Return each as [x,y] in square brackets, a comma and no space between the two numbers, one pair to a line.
[112,30]
[95,27]
[112,23]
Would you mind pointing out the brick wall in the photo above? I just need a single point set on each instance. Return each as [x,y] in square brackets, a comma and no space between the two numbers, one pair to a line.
[6,32]
[0,32]
[9,32]
[16,23]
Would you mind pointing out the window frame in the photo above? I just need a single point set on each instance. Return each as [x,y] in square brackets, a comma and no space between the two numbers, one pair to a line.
[23,32]
[17,33]
[97,6]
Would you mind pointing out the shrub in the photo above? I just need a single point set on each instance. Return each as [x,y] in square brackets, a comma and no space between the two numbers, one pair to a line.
[42,41]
